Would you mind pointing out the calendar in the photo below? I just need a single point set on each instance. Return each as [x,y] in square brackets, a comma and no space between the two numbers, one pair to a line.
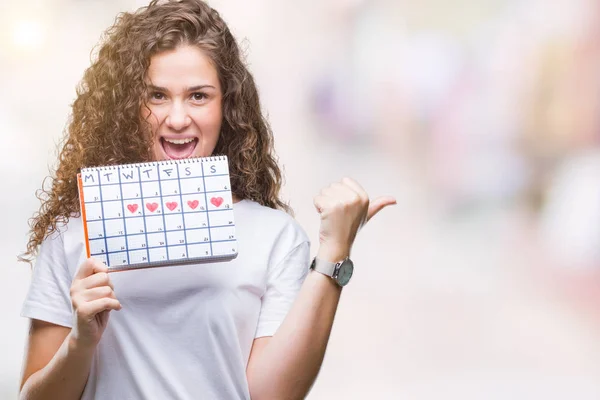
[158,213]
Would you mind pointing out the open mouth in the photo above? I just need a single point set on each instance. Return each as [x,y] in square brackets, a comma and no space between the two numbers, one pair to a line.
[178,148]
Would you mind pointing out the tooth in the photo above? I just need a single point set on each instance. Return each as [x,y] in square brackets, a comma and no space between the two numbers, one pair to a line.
[179,141]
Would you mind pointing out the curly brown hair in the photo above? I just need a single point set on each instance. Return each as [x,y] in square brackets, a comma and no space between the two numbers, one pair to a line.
[105,127]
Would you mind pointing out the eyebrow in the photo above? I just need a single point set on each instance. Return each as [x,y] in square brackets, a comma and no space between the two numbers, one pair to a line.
[190,89]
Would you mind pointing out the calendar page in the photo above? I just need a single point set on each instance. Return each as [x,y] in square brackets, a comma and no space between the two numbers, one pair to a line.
[158,213]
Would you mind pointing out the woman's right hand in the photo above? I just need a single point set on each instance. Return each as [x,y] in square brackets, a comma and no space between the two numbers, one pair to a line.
[93,297]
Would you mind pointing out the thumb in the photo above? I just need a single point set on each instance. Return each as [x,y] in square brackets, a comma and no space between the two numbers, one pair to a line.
[378,204]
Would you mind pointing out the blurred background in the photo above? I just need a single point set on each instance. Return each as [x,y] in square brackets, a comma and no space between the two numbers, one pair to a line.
[482,117]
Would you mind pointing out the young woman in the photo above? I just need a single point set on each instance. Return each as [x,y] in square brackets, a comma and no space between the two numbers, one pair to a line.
[169,83]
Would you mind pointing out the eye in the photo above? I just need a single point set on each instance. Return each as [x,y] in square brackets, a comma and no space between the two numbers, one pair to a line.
[199,96]
[157,96]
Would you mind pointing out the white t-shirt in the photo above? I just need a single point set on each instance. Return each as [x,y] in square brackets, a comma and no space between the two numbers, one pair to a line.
[184,332]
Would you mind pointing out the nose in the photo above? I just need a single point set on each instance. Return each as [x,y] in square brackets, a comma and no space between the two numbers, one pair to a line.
[178,118]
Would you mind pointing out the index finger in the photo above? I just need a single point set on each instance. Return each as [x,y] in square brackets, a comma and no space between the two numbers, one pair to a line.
[90,267]
[351,183]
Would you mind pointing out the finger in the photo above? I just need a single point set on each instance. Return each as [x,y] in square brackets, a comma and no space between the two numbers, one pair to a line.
[379,204]
[319,203]
[89,267]
[96,280]
[351,183]
[339,194]
[324,202]
[98,293]
[330,190]
[85,269]
[90,309]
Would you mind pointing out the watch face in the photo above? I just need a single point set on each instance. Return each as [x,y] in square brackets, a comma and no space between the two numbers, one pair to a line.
[345,273]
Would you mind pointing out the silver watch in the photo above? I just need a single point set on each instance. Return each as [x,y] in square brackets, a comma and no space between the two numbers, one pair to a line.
[340,272]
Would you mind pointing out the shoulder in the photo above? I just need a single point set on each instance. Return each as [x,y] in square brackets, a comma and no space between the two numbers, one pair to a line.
[67,232]
[64,246]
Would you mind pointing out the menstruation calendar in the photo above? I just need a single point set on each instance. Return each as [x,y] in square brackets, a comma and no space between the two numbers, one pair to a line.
[158,213]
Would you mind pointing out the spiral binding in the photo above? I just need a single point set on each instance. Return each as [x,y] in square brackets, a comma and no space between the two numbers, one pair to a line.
[154,163]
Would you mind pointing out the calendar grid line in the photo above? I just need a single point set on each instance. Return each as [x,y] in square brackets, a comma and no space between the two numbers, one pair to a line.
[187,250]
[143,216]
[158,197]
[206,202]
[163,214]
[160,247]
[165,231]
[102,214]
[170,213]
[123,214]
[155,180]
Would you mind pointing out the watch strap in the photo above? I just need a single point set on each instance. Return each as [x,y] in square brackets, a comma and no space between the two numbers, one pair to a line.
[324,267]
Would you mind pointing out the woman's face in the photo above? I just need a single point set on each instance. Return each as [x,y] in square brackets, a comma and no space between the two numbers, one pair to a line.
[184,104]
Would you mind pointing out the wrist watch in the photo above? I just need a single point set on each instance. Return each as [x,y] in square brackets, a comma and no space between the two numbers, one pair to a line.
[340,272]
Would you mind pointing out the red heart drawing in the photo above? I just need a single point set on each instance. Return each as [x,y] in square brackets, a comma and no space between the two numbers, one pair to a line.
[193,204]
[152,206]
[217,201]
[132,207]
[171,205]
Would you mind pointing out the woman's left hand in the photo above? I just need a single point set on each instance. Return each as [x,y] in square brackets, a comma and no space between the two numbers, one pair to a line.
[344,208]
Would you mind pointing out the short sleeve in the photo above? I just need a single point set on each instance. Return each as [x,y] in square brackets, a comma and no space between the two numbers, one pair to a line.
[48,298]
[283,284]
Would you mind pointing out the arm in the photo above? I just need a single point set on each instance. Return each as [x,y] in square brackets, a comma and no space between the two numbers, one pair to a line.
[285,366]
[52,358]
[58,359]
